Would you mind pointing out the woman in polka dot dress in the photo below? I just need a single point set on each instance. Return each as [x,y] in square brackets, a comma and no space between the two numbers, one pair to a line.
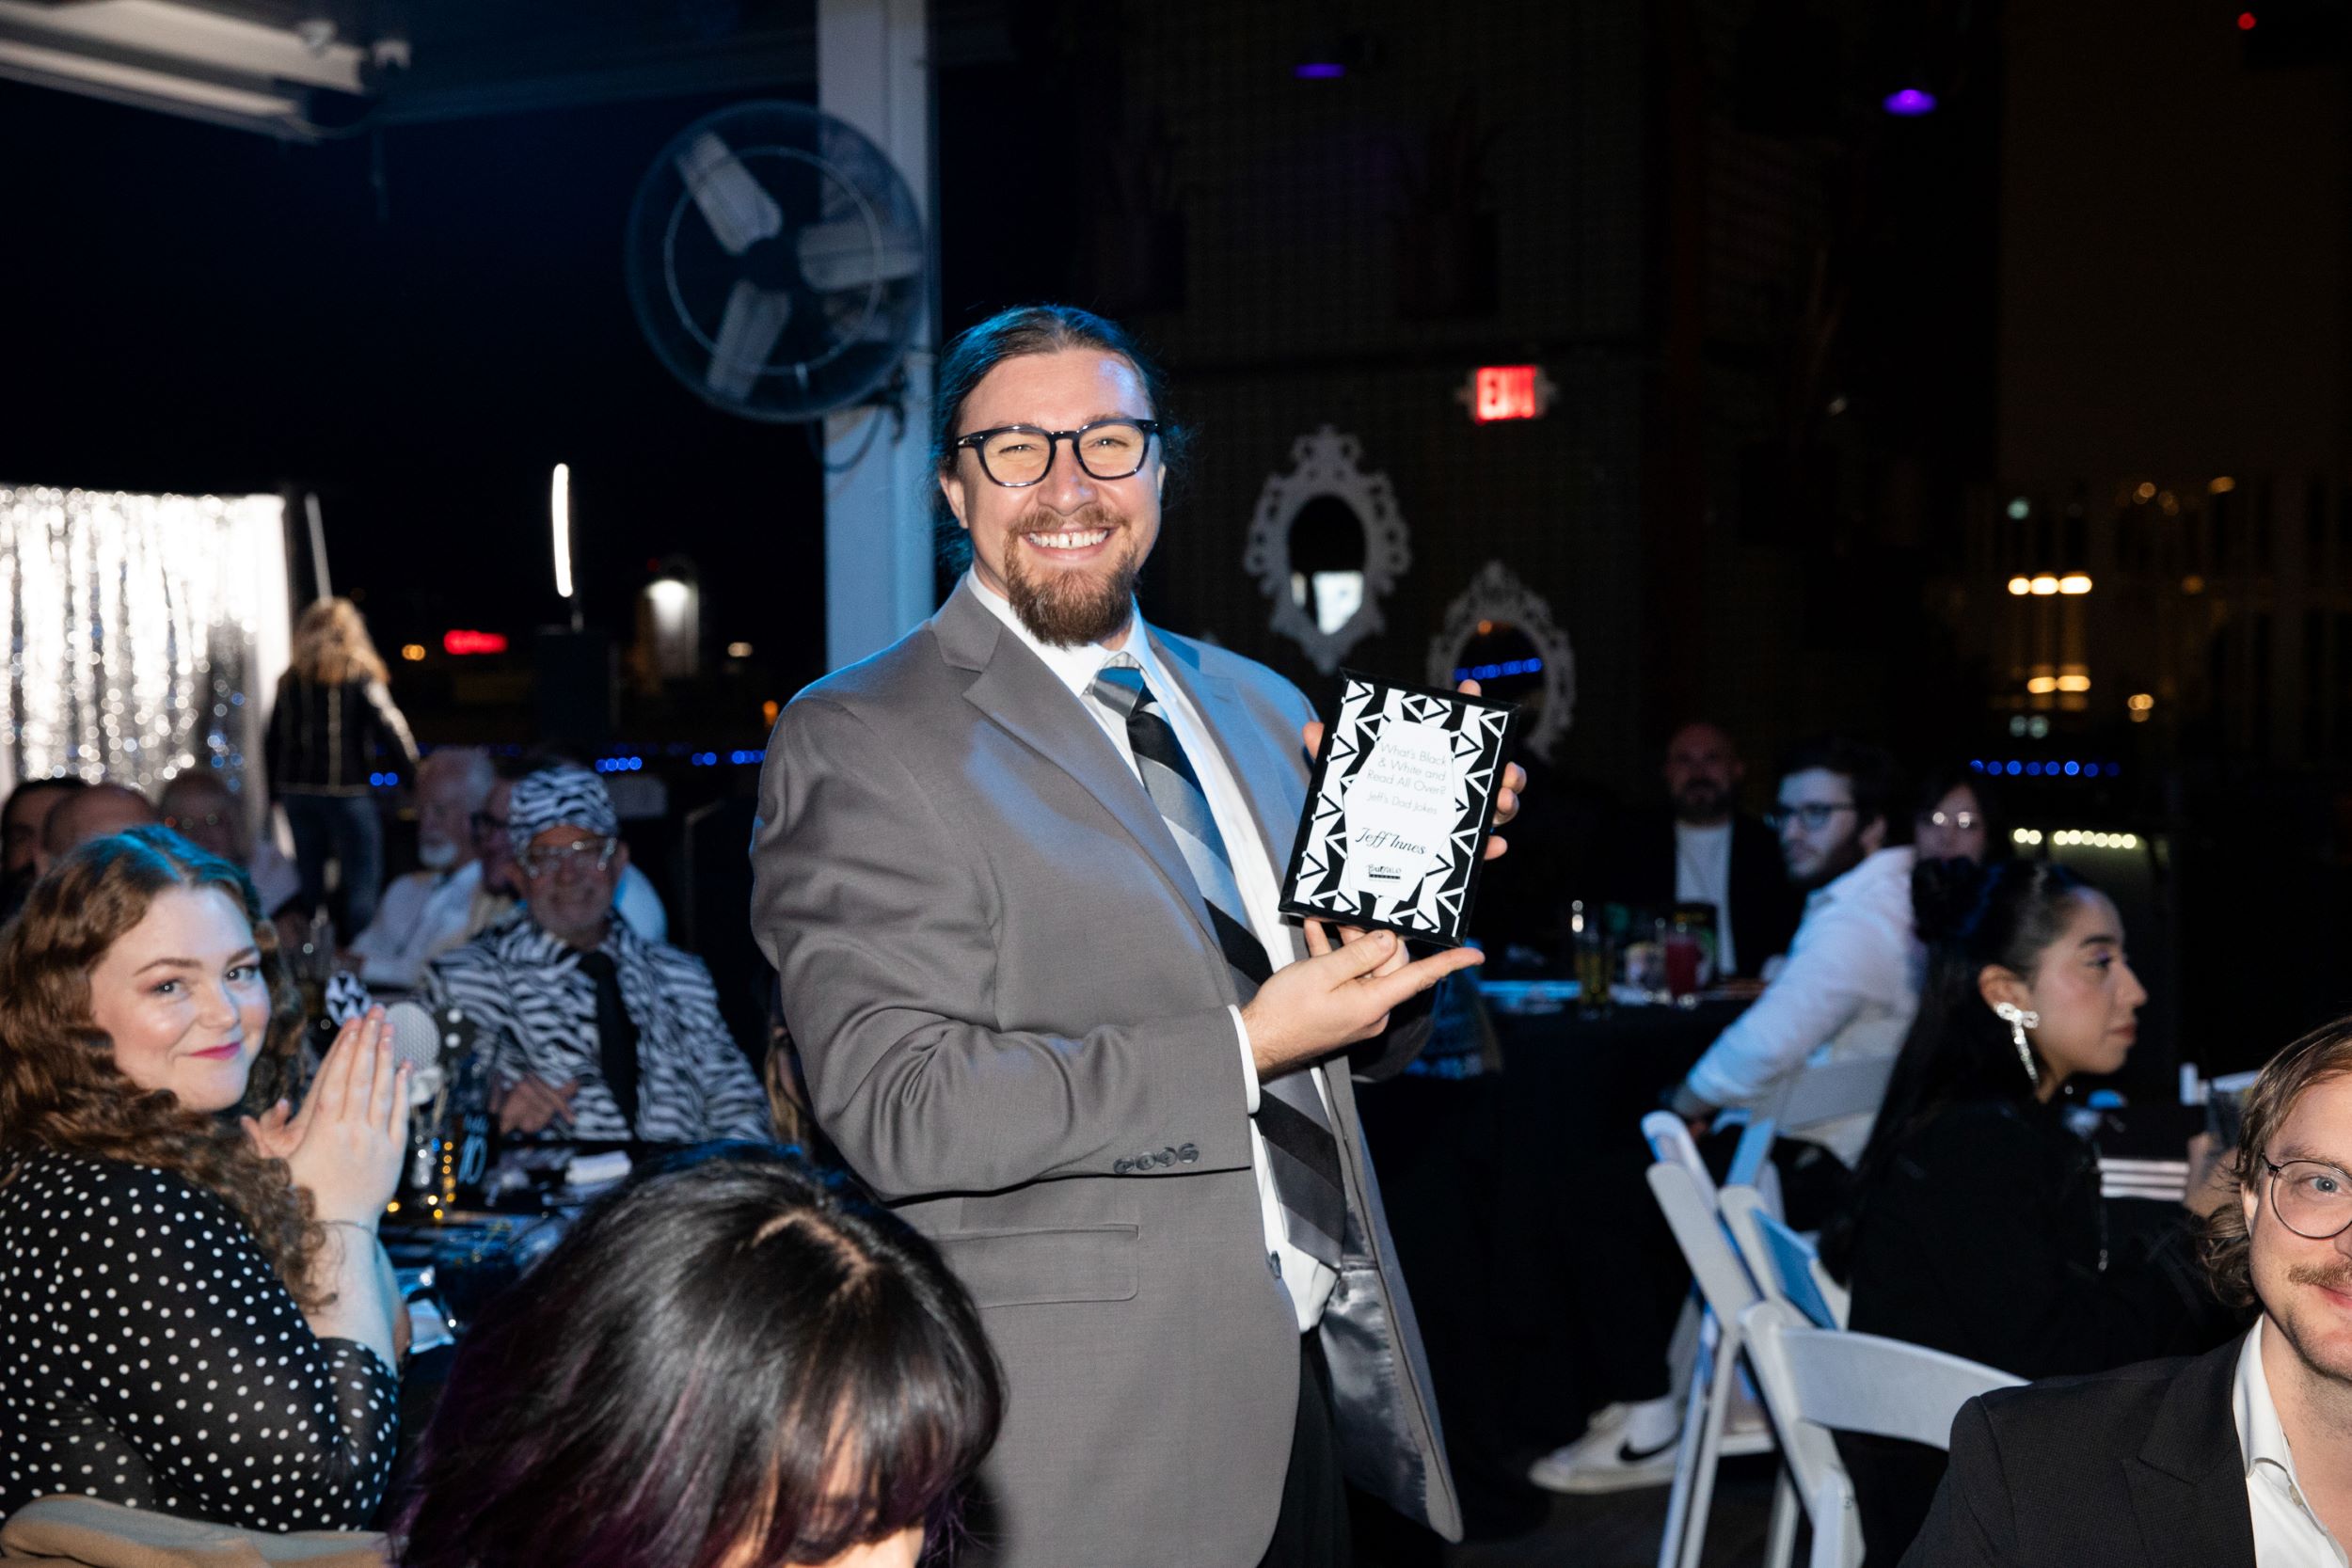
[194,1313]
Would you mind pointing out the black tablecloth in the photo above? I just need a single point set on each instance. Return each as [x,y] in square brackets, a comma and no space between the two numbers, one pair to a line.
[1545,1279]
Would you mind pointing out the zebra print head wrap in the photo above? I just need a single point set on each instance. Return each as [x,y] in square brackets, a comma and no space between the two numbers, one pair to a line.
[559,798]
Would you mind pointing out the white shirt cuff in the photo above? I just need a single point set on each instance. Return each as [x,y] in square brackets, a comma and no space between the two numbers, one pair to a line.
[1249,1059]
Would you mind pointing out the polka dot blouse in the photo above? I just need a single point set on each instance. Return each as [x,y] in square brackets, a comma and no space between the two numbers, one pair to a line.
[150,1355]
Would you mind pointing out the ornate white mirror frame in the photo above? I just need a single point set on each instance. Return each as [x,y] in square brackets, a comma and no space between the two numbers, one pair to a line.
[1326,464]
[1497,596]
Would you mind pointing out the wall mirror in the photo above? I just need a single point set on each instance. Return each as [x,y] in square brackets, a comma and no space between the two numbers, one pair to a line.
[1327,546]
[1501,633]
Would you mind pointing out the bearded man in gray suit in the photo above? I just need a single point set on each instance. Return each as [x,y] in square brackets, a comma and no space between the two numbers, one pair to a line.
[1018,876]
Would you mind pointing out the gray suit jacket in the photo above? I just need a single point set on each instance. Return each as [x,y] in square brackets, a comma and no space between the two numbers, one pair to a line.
[1012,1018]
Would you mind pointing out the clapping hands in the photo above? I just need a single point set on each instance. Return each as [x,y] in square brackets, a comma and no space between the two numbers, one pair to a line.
[346,1146]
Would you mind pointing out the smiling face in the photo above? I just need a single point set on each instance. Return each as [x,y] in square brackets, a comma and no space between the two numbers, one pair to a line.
[181,996]
[1066,550]
[570,879]
[2083,990]
[2305,1285]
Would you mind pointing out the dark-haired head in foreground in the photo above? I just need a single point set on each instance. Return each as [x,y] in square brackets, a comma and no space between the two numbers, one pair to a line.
[733,1363]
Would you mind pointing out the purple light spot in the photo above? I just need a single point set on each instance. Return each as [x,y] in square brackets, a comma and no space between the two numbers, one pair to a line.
[1910,100]
[1318,70]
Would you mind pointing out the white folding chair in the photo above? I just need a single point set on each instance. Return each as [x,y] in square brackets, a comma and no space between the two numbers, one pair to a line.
[1818,1381]
[1785,1265]
[1806,1100]
[1686,1195]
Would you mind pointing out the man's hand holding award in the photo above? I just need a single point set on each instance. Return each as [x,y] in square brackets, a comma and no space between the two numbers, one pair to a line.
[1407,791]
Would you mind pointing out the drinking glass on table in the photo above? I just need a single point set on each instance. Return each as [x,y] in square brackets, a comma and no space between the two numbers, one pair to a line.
[1682,962]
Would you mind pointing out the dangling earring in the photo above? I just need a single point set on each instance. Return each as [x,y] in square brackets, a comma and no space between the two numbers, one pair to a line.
[2019,1021]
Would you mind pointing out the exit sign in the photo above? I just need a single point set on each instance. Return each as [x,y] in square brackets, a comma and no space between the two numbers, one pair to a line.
[1508,393]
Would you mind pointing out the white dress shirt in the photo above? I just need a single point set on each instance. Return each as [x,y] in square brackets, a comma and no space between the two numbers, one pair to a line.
[1703,876]
[1848,992]
[420,916]
[1309,1282]
[2287,1534]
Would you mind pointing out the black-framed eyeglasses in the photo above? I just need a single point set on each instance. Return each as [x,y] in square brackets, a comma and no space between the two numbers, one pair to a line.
[543,860]
[484,824]
[1020,455]
[2310,1197]
[1963,820]
[181,821]
[1814,817]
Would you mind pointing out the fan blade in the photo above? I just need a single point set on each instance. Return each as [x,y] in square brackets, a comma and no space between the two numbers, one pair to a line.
[739,212]
[754,319]
[839,256]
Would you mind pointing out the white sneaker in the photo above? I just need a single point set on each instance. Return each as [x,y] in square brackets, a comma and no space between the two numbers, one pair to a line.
[1604,1460]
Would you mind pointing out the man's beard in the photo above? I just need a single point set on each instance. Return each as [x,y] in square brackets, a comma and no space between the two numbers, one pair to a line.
[1070,608]
[2334,1276]
[437,854]
[1835,863]
[1700,801]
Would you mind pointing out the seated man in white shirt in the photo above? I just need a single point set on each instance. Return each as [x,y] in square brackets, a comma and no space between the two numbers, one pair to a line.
[2237,1457]
[424,913]
[1848,990]
[1851,982]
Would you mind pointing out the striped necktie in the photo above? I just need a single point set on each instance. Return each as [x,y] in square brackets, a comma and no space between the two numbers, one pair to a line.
[1300,1148]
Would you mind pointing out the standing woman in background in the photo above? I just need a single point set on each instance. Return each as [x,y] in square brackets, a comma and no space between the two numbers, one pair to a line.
[334,718]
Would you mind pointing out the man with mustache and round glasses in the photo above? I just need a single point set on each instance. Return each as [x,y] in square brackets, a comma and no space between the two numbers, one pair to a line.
[593,1032]
[1018,874]
[2237,1457]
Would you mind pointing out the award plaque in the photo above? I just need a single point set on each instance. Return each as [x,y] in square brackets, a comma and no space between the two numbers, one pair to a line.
[1398,810]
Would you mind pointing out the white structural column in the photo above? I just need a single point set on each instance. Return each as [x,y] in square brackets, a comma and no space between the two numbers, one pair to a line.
[873,69]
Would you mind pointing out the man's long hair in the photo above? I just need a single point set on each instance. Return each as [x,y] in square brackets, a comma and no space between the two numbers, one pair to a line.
[1013,334]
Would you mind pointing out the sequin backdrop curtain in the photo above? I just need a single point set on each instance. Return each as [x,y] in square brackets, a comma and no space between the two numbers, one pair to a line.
[145,634]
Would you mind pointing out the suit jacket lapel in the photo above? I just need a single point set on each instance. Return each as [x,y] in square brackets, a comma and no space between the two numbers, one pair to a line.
[1015,689]
[2188,1481]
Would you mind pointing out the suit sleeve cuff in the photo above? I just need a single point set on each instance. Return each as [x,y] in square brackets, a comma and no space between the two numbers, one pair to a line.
[1249,1060]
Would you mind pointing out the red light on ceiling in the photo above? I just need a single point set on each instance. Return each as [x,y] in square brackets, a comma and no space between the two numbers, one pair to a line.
[2245,21]
[473,643]
[1504,392]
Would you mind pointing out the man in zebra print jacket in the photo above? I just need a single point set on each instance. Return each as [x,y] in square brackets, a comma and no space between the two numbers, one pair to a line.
[592,1032]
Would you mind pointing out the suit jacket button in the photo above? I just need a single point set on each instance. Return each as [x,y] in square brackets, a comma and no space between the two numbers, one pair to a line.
[1120,1167]
[1274,1261]
[1188,1153]
[1165,1157]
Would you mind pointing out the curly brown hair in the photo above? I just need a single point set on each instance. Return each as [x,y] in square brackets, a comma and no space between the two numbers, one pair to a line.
[2323,1053]
[60,1086]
